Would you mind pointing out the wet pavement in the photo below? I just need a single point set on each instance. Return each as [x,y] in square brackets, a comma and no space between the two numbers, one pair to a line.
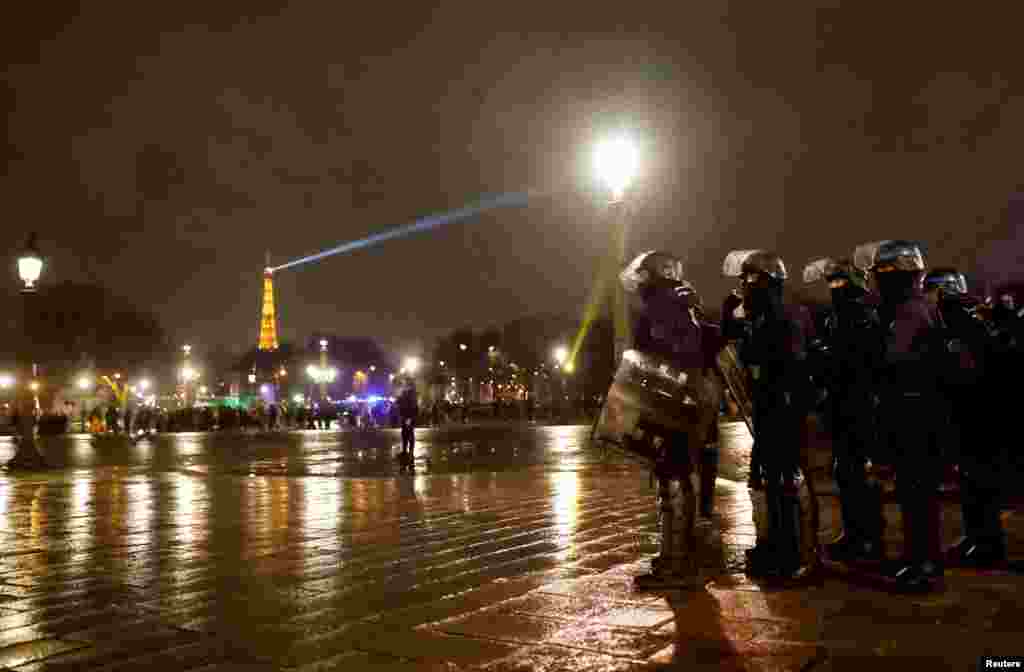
[512,548]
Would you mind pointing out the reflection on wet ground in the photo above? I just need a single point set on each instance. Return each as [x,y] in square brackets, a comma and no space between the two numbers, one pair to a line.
[453,449]
[512,547]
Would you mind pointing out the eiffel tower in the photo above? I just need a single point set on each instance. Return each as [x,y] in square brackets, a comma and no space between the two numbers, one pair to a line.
[268,318]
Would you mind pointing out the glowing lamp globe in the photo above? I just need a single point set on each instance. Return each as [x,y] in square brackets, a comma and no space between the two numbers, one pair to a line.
[561,354]
[84,383]
[30,264]
[616,163]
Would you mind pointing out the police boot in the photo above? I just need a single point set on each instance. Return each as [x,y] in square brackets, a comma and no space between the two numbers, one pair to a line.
[870,522]
[676,567]
[841,549]
[787,548]
[923,569]
[759,558]
[983,545]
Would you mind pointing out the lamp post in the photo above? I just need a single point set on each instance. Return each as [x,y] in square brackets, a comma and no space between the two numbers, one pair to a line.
[561,355]
[323,367]
[85,383]
[616,163]
[27,456]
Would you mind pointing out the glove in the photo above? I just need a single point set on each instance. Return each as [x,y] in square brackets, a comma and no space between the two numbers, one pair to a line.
[731,303]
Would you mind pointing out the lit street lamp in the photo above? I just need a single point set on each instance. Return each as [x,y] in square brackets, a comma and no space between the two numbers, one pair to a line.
[30,267]
[411,365]
[616,163]
[323,368]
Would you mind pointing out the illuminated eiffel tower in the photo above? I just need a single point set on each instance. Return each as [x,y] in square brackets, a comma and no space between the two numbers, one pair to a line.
[268,318]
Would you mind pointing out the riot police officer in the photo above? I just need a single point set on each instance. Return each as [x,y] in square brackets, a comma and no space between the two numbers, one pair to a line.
[974,360]
[668,326]
[911,406]
[772,346]
[851,353]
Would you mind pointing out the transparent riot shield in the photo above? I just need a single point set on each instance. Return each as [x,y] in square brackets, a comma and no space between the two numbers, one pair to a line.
[649,397]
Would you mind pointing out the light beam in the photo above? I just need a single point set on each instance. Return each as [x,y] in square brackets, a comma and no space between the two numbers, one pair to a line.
[423,224]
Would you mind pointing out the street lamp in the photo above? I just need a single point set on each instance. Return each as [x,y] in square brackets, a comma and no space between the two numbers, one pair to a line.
[6,381]
[30,268]
[411,365]
[30,264]
[616,163]
[144,384]
[463,347]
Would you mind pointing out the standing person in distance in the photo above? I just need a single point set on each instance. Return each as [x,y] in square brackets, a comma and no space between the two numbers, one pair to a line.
[408,411]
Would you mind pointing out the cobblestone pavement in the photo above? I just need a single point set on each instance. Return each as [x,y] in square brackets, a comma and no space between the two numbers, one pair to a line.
[513,548]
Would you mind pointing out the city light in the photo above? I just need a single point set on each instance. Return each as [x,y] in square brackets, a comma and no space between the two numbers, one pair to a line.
[299,399]
[252,377]
[30,264]
[616,162]
[463,347]
[187,349]
[411,365]
[34,386]
[188,374]
[282,372]
[203,390]
[561,354]
[323,345]
[490,348]
[144,384]
[321,374]
[6,381]
[441,362]
[373,368]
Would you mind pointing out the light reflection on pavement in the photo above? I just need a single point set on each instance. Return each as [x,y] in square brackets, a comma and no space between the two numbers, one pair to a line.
[512,547]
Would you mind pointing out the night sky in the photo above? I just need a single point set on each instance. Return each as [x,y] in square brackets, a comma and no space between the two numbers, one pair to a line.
[161,149]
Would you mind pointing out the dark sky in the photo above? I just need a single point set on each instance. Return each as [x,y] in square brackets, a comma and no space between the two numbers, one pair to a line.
[160,148]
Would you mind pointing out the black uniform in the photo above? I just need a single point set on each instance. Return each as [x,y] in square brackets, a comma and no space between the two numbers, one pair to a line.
[912,407]
[977,364]
[773,347]
[848,354]
[669,329]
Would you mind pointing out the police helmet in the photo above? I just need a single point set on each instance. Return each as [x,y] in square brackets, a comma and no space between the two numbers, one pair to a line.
[836,272]
[949,280]
[747,263]
[890,255]
[649,267]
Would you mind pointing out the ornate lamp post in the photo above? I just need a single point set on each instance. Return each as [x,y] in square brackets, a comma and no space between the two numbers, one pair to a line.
[30,267]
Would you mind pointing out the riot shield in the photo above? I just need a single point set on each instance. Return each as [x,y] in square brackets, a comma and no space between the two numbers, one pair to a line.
[649,397]
[736,381]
